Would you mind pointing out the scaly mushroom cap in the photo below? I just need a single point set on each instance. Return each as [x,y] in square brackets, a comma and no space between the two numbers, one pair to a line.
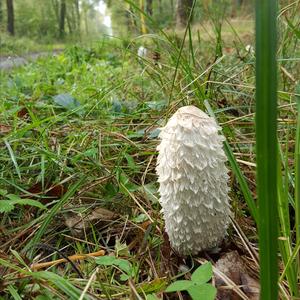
[193,181]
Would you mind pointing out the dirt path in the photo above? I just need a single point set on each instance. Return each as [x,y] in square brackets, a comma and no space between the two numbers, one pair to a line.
[9,62]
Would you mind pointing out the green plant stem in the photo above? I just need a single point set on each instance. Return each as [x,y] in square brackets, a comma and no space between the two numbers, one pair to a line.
[266,145]
[237,172]
[297,170]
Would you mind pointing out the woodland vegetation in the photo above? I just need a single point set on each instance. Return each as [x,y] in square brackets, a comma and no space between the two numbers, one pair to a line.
[85,88]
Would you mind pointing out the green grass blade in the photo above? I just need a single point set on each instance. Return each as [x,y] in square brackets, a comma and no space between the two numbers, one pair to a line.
[14,293]
[297,167]
[290,261]
[13,158]
[237,172]
[63,284]
[285,244]
[266,144]
[37,237]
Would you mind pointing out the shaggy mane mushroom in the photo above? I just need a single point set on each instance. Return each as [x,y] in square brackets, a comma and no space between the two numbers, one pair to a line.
[193,181]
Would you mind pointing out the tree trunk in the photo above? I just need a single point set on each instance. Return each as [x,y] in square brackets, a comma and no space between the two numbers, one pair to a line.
[70,26]
[142,17]
[62,18]
[10,17]
[149,7]
[78,15]
[86,22]
[160,7]
[1,12]
[183,9]
[172,5]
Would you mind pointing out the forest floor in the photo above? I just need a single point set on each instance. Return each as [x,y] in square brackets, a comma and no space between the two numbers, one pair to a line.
[79,133]
[10,62]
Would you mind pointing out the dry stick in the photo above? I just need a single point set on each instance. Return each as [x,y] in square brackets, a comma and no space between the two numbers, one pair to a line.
[133,289]
[251,250]
[47,264]
[245,241]
[88,284]
[147,168]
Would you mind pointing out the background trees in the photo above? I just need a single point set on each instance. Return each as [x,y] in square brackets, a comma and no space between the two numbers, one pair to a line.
[183,9]
[10,17]
[45,20]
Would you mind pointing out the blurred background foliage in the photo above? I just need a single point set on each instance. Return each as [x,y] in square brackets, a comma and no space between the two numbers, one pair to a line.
[60,21]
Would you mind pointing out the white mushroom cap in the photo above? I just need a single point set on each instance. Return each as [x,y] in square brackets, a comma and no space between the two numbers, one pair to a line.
[193,181]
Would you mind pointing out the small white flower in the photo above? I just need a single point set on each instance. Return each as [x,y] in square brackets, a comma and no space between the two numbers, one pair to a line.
[142,52]
[193,181]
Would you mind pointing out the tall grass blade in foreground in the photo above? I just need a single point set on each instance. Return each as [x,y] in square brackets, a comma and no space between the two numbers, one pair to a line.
[237,172]
[266,144]
[297,167]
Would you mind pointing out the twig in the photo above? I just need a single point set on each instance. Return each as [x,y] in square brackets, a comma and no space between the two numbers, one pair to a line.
[38,266]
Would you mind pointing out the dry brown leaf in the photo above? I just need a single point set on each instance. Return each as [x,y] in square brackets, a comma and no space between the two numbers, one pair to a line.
[5,129]
[250,286]
[77,223]
[23,113]
[53,192]
[232,265]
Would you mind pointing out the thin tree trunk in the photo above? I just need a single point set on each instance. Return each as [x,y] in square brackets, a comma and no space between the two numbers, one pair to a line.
[183,9]
[172,5]
[86,22]
[56,9]
[149,7]
[1,12]
[131,22]
[62,18]
[10,17]
[143,25]
[78,15]
[69,22]
[160,7]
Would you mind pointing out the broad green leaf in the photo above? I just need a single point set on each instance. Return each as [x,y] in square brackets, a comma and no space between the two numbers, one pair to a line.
[3,192]
[152,297]
[125,183]
[140,218]
[124,265]
[179,285]
[9,205]
[121,248]
[106,260]
[154,286]
[30,202]
[202,292]
[6,206]
[124,277]
[202,274]
[13,197]
[66,101]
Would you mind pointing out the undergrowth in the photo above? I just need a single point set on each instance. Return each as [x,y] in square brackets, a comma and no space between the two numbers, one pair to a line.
[79,134]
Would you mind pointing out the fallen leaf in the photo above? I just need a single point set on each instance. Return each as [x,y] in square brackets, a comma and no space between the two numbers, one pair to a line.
[53,192]
[5,129]
[232,265]
[250,286]
[23,113]
[78,224]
